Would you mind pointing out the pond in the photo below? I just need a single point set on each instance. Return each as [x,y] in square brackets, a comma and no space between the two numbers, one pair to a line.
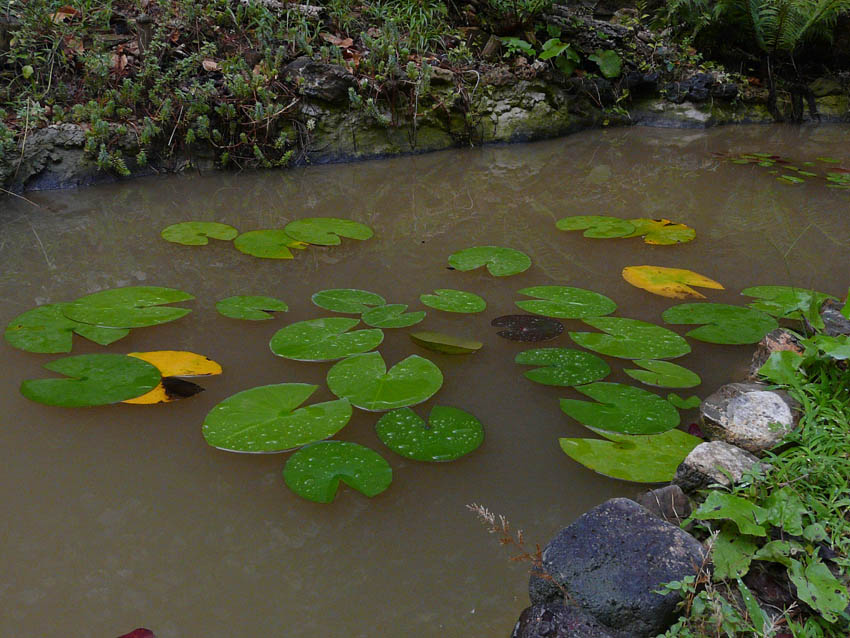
[122,516]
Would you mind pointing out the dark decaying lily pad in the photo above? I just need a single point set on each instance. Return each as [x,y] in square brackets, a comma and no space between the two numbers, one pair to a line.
[527,327]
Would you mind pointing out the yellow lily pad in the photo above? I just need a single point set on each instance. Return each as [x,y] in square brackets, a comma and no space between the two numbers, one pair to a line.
[661,232]
[172,364]
[669,282]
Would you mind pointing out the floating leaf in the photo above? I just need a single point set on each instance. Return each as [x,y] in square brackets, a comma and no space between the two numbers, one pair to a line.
[597,226]
[46,330]
[663,374]
[563,366]
[95,379]
[324,339]
[130,307]
[690,403]
[267,419]
[527,327]
[392,316]
[661,232]
[444,343]
[622,408]
[645,459]
[726,324]
[172,364]
[267,244]
[631,339]
[668,282]
[500,261]
[347,300]
[566,302]
[364,380]
[787,302]
[250,307]
[198,233]
[314,472]
[326,231]
[450,433]
[450,300]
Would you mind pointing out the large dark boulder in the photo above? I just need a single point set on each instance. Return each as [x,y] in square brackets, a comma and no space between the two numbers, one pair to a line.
[553,620]
[316,80]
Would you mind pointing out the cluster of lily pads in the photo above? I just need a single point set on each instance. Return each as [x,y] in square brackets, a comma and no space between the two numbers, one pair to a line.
[824,169]
[661,232]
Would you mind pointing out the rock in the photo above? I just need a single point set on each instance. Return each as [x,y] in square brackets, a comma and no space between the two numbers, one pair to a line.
[555,620]
[328,82]
[713,462]
[826,86]
[668,503]
[610,562]
[774,341]
[441,75]
[835,323]
[724,91]
[749,416]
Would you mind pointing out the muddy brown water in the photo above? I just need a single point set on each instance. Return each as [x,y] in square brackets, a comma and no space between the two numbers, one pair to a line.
[122,516]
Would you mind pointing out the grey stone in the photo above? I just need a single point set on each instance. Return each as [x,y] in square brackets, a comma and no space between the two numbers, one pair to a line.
[316,80]
[713,462]
[554,620]
[610,562]
[669,503]
[835,324]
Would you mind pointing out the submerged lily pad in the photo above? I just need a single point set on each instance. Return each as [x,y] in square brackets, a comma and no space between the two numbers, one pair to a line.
[668,282]
[664,374]
[450,300]
[364,380]
[171,365]
[690,403]
[326,231]
[726,324]
[661,232]
[315,471]
[597,226]
[622,408]
[631,339]
[392,316]
[250,307]
[563,366]
[267,244]
[527,327]
[324,339]
[267,419]
[198,233]
[129,307]
[95,379]
[447,344]
[566,302]
[46,330]
[450,433]
[500,261]
[347,300]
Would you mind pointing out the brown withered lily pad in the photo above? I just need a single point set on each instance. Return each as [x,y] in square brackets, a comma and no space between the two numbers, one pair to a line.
[527,327]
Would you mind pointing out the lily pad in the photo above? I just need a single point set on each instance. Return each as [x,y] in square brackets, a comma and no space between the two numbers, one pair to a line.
[650,458]
[315,471]
[326,231]
[787,302]
[95,379]
[726,324]
[46,330]
[447,344]
[324,339]
[171,365]
[450,433]
[250,307]
[622,408]
[691,403]
[364,380]
[563,366]
[566,302]
[267,244]
[527,327]
[664,374]
[267,419]
[597,226]
[500,261]
[392,316]
[198,233]
[129,307]
[450,300]
[631,339]
[661,232]
[347,300]
[668,282]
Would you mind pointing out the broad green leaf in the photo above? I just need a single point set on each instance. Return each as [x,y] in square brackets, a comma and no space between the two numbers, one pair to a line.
[93,379]
[815,533]
[631,339]
[250,307]
[784,367]
[818,588]
[788,302]
[563,366]
[758,618]
[597,226]
[324,339]
[392,316]
[661,232]
[609,62]
[668,282]
[621,408]
[500,261]
[747,516]
[46,330]
[690,403]
[779,551]
[447,344]
[198,233]
[663,374]
[837,348]
[267,244]
[364,380]
[315,471]
[553,47]
[450,433]
[645,459]
[450,300]
[566,302]
[267,419]
[732,553]
[326,231]
[171,365]
[726,324]
[785,509]
[347,300]
[130,307]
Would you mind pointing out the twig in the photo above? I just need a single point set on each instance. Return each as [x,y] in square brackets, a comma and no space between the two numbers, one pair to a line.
[28,201]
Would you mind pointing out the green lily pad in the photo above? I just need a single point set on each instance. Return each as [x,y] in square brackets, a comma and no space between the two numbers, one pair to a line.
[130,307]
[500,261]
[326,231]
[347,300]
[450,300]
[661,232]
[267,419]
[691,403]
[450,433]
[46,330]
[95,379]
[563,366]
[364,380]
[324,339]
[597,226]
[726,324]
[250,307]
[650,458]
[787,302]
[267,244]
[663,374]
[622,408]
[392,316]
[631,339]
[566,302]
[198,233]
[315,471]
[447,344]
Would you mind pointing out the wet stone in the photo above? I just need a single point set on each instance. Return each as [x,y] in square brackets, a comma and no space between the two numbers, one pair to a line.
[555,620]
[669,503]
[713,462]
[835,324]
